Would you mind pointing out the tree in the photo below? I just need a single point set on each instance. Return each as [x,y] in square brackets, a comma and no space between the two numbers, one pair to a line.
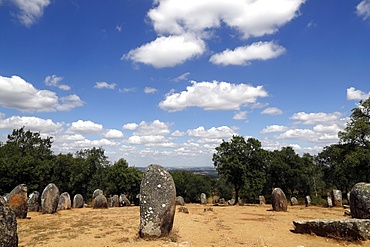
[241,163]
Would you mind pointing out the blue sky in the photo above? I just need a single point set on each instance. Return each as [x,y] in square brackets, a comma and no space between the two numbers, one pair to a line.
[164,81]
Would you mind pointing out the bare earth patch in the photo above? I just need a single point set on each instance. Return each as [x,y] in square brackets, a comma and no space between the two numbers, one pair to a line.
[251,225]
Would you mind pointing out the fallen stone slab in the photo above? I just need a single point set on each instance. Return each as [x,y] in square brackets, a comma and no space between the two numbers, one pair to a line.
[344,229]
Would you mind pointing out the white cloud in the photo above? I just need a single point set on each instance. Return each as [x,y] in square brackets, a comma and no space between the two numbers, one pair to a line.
[167,51]
[30,11]
[223,132]
[274,129]
[103,84]
[84,127]
[130,126]
[213,96]
[353,94]
[317,118]
[127,90]
[32,123]
[240,115]
[155,128]
[54,80]
[178,133]
[245,54]
[363,9]
[272,111]
[113,134]
[143,140]
[149,90]
[182,77]
[18,94]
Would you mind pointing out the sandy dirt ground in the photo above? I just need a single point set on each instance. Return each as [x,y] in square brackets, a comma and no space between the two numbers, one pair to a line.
[251,225]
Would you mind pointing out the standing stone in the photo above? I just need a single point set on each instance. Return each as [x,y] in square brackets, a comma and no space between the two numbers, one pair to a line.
[203,198]
[293,201]
[50,199]
[78,201]
[278,200]
[64,201]
[124,201]
[231,202]
[100,202]
[95,194]
[308,200]
[180,201]
[33,202]
[360,201]
[157,202]
[137,200]
[337,198]
[8,225]
[262,200]
[114,201]
[329,200]
[17,200]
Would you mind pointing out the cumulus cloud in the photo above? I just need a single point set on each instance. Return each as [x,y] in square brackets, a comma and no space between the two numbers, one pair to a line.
[272,111]
[223,132]
[84,127]
[154,128]
[317,118]
[240,115]
[130,126]
[113,134]
[173,20]
[353,94]
[213,96]
[32,123]
[274,129]
[103,84]
[149,90]
[54,80]
[18,94]
[245,54]
[30,11]
[363,9]
[167,51]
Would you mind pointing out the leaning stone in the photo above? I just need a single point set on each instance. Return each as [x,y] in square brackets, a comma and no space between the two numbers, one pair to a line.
[278,200]
[33,202]
[329,200]
[124,201]
[337,198]
[18,201]
[8,225]
[100,202]
[360,201]
[203,198]
[64,201]
[308,200]
[114,201]
[180,201]
[95,194]
[50,199]
[262,200]
[78,201]
[293,201]
[157,203]
[345,229]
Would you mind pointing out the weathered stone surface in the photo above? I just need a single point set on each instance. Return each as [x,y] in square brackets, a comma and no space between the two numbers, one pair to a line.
[158,202]
[33,202]
[329,200]
[203,198]
[8,225]
[50,199]
[293,201]
[360,201]
[114,201]
[100,202]
[78,201]
[337,198]
[124,201]
[221,201]
[95,194]
[347,229]
[18,201]
[307,200]
[278,200]
[231,201]
[183,209]
[180,201]
[262,200]
[64,201]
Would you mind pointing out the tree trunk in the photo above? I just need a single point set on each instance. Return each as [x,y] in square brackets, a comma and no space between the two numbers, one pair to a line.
[236,195]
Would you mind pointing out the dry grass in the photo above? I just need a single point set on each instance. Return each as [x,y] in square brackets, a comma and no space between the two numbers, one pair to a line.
[224,226]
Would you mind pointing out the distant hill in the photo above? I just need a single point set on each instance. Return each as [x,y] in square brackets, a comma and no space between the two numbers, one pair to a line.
[205,171]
